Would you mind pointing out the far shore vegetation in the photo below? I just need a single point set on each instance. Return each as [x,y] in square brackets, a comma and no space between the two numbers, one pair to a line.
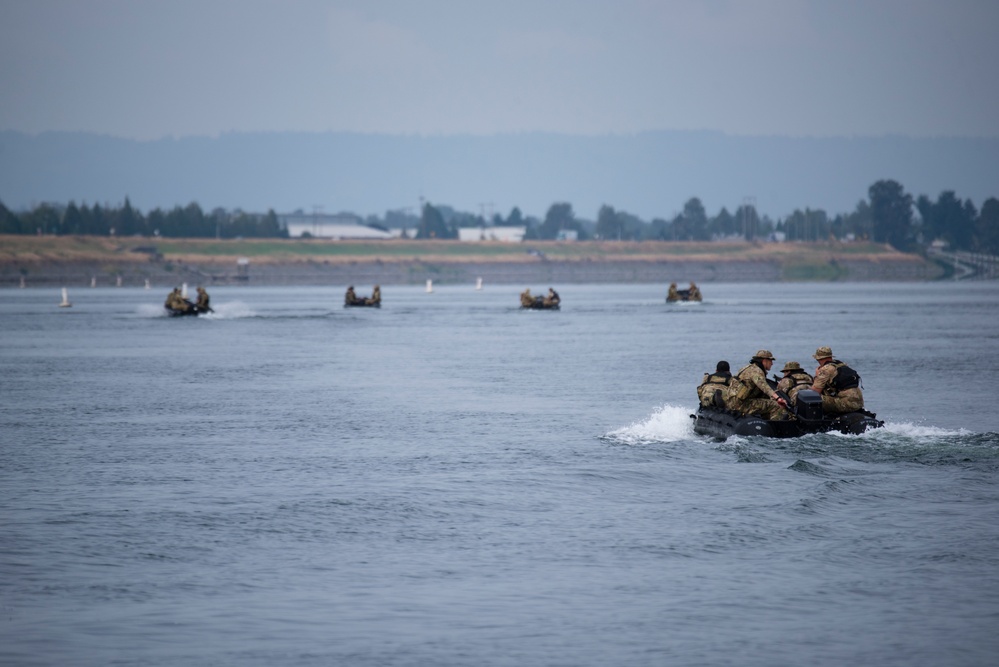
[887,216]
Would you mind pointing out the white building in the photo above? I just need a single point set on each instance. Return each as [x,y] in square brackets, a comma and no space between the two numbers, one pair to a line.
[325,226]
[506,234]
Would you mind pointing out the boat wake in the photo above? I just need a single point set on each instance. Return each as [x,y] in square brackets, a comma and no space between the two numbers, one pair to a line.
[232,310]
[669,423]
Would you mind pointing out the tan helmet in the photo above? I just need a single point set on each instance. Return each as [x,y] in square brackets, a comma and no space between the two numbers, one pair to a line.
[764,354]
[791,366]
[823,352]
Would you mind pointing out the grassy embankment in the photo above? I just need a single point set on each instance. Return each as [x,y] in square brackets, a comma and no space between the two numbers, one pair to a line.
[798,261]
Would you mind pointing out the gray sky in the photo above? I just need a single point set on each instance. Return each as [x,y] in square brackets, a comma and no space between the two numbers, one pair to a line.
[146,69]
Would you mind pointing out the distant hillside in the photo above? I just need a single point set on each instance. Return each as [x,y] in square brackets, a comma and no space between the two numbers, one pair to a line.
[650,174]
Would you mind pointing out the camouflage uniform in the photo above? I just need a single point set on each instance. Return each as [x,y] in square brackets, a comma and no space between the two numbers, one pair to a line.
[203,299]
[711,383]
[673,294]
[833,400]
[376,296]
[350,297]
[750,393]
[795,379]
[526,300]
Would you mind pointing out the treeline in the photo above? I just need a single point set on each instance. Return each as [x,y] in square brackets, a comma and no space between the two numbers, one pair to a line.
[888,215]
[180,222]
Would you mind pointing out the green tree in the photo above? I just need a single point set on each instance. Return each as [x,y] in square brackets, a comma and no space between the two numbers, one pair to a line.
[987,227]
[891,214]
[609,227]
[560,217]
[723,224]
[948,219]
[432,225]
[9,223]
[72,219]
[696,219]
[515,219]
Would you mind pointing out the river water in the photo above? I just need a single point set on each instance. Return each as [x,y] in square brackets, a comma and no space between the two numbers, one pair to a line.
[450,480]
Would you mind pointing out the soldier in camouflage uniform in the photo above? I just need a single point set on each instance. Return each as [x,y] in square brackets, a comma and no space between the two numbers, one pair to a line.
[795,379]
[715,382]
[350,297]
[750,393]
[838,383]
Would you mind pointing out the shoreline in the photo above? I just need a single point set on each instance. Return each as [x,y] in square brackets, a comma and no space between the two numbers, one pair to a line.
[83,260]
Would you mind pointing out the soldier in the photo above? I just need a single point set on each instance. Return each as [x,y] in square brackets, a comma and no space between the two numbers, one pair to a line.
[693,294]
[750,393]
[203,301]
[795,379]
[376,296]
[526,300]
[673,294]
[552,299]
[838,383]
[711,391]
[350,298]
[176,301]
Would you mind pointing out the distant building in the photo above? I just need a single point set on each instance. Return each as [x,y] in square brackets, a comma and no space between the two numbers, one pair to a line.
[506,234]
[567,235]
[326,226]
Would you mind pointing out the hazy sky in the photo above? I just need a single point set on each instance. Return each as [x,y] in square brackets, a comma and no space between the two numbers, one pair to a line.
[147,69]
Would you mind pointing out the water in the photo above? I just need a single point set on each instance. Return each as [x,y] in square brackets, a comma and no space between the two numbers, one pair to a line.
[452,481]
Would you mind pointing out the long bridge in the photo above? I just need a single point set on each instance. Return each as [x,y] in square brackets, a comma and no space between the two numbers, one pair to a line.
[968,265]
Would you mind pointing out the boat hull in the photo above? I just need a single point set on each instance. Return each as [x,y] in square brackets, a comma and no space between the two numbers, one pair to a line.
[722,424]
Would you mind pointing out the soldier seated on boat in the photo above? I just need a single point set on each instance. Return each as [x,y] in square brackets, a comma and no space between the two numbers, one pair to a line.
[673,294]
[526,300]
[795,379]
[203,300]
[838,384]
[711,391]
[751,394]
[694,293]
[552,299]
[176,301]
[350,298]
[376,296]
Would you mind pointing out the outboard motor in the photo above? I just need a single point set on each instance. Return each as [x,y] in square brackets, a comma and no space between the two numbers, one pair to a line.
[808,406]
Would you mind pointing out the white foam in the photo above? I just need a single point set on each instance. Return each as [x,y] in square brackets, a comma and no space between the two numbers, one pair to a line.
[910,430]
[231,310]
[669,423]
[149,310]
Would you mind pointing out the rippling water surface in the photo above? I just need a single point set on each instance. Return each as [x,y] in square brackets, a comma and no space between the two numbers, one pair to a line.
[452,481]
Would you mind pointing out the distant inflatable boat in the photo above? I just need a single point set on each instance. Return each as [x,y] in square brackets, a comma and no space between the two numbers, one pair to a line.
[539,304]
[190,312]
[808,418]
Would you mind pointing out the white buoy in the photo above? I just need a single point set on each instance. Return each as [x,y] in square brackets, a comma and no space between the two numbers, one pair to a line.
[93,281]
[118,282]
[478,283]
[430,286]
[183,290]
[65,299]
[22,282]
[147,283]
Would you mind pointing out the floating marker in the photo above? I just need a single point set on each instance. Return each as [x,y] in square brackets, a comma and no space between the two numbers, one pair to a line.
[430,286]
[478,283]
[183,290]
[119,281]
[65,299]
[22,281]
[93,281]
[147,283]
